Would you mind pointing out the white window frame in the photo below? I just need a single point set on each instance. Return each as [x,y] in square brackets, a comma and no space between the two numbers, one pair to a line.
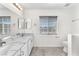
[3,28]
[48,32]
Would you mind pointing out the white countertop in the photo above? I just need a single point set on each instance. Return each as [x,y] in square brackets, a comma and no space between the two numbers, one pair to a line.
[4,49]
[14,48]
[14,45]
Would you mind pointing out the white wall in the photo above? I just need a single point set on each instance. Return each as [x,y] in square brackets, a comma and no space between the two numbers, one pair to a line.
[75,17]
[63,26]
[75,29]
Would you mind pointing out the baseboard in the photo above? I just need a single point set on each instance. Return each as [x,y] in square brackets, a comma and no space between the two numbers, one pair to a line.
[47,46]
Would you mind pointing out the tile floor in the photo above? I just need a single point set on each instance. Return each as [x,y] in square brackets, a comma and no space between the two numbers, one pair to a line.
[48,51]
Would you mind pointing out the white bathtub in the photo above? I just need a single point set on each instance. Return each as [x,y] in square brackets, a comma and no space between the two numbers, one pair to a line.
[73,45]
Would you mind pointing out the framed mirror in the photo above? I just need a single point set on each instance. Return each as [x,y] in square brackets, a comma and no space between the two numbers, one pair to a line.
[24,23]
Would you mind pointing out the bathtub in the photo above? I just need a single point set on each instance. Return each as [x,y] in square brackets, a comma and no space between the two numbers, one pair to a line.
[73,45]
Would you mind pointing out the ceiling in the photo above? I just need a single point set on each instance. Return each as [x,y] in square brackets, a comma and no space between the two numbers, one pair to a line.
[44,5]
[1,6]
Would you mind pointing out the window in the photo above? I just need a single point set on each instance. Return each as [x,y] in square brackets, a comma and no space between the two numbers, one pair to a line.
[5,24]
[48,25]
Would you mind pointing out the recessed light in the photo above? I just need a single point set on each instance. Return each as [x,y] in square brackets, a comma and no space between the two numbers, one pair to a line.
[66,5]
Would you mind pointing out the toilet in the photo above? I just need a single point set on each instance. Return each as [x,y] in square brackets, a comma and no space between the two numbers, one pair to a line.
[65,45]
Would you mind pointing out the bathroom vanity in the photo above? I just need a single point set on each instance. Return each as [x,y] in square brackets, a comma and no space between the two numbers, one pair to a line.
[18,46]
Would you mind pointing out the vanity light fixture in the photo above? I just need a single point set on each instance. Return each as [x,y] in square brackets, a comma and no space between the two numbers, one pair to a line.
[18,6]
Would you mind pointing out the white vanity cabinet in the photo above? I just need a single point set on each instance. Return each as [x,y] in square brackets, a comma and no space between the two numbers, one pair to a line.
[17,53]
[21,46]
[24,50]
[29,45]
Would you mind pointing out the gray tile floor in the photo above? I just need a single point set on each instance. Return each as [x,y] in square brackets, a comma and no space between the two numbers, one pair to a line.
[47,51]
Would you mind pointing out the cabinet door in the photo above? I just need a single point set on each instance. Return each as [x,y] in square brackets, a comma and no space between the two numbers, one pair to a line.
[24,50]
[17,53]
[30,45]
